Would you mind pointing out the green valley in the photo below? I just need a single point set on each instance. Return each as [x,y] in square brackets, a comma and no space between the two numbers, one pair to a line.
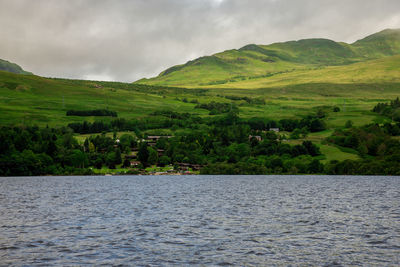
[318,93]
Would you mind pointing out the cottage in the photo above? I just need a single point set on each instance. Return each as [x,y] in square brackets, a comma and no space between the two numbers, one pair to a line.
[257,137]
[155,138]
[186,166]
[160,152]
[131,156]
[135,163]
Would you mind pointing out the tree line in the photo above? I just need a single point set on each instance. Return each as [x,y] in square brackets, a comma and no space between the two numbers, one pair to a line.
[165,119]
[94,112]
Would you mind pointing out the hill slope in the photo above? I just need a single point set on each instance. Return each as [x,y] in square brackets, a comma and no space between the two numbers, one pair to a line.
[11,67]
[263,61]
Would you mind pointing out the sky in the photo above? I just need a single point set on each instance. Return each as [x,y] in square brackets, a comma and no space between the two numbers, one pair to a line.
[125,40]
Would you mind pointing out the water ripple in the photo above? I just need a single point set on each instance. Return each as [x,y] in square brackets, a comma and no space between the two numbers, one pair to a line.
[200,220]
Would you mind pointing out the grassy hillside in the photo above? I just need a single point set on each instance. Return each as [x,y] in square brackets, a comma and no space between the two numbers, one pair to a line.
[36,100]
[295,58]
[293,79]
[11,67]
[31,99]
[383,70]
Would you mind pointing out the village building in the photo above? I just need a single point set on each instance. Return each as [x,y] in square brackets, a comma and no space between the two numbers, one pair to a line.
[135,163]
[257,137]
[131,156]
[187,166]
[155,138]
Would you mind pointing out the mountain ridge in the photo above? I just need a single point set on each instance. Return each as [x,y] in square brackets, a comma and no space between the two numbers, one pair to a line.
[12,67]
[264,60]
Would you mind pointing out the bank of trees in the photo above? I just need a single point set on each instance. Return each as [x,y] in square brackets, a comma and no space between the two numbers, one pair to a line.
[380,152]
[391,109]
[223,144]
[165,119]
[94,112]
[36,151]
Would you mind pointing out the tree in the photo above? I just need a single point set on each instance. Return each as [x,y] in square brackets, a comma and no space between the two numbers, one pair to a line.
[78,159]
[127,163]
[348,124]
[312,149]
[396,115]
[98,163]
[315,167]
[143,154]
[118,159]
[317,125]
[110,160]
[164,160]
[153,156]
[91,147]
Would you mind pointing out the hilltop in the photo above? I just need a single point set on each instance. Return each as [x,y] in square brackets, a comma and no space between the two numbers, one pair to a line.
[237,68]
[313,90]
[11,67]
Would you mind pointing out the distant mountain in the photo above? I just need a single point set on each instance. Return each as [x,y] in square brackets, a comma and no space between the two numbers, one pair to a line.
[262,61]
[11,67]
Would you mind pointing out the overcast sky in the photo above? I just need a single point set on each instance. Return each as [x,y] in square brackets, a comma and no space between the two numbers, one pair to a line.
[125,40]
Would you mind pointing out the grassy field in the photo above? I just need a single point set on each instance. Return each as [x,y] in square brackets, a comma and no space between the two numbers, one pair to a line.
[294,79]
[36,100]
[28,99]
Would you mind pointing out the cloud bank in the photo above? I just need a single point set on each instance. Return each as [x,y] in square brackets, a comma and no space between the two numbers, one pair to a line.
[125,40]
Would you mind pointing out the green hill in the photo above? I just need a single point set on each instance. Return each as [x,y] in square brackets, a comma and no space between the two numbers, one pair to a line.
[293,78]
[11,67]
[265,61]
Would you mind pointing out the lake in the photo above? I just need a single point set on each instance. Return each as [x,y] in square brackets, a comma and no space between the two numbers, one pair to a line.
[200,220]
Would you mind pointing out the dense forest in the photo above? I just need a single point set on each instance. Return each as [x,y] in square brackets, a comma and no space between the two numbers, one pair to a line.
[226,144]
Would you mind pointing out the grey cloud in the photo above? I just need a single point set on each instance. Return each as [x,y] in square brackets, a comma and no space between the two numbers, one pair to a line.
[126,40]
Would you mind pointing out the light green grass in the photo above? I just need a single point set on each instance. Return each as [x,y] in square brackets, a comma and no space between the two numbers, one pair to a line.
[334,153]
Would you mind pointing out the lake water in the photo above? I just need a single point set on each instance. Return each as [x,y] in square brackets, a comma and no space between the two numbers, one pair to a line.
[200,220]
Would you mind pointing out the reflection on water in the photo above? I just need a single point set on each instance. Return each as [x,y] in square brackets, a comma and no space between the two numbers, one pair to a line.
[210,220]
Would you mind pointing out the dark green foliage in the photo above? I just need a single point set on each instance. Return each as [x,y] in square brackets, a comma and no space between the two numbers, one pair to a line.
[95,112]
[218,108]
[164,160]
[391,109]
[249,100]
[172,114]
[153,156]
[369,140]
[143,154]
[34,151]
[225,144]
[348,124]
[312,149]
[364,167]
[87,127]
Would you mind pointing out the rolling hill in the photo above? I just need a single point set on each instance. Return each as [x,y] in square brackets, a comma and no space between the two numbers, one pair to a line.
[292,77]
[11,67]
[287,80]
[238,68]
